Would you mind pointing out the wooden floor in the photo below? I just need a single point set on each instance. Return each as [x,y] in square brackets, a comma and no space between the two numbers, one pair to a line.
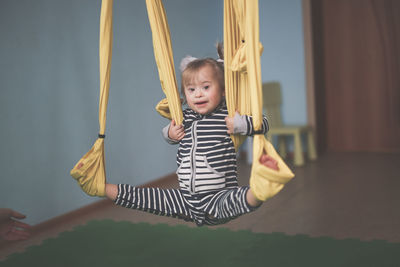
[341,195]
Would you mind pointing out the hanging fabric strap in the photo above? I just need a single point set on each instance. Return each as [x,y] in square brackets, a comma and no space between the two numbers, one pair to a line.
[90,169]
[235,82]
[242,54]
[171,106]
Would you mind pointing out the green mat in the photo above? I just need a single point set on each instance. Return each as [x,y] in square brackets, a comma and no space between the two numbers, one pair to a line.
[109,243]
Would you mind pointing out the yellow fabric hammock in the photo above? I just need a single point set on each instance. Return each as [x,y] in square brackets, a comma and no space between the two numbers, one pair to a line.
[90,170]
[242,89]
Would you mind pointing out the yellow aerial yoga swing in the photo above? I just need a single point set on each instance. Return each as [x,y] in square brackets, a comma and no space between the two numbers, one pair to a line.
[242,90]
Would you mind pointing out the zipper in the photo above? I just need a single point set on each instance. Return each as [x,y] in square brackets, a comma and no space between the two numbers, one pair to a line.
[193,158]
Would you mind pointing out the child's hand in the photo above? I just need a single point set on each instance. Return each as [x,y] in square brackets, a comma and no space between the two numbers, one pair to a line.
[176,132]
[230,124]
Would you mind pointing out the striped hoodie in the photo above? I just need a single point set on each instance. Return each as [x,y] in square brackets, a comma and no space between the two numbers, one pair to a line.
[206,155]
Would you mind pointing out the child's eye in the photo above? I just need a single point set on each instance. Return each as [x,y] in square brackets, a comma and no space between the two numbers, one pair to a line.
[206,87]
[191,89]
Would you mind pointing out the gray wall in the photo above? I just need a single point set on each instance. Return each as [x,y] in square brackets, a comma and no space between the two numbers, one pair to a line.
[281,33]
[49,89]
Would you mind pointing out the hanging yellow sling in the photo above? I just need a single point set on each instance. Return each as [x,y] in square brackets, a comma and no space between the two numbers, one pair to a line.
[243,90]
[90,169]
[242,84]
[264,182]
[171,106]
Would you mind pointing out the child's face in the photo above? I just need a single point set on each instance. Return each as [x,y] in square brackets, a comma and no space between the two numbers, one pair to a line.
[204,93]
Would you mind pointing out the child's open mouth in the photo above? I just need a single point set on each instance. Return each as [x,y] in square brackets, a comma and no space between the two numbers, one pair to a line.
[201,104]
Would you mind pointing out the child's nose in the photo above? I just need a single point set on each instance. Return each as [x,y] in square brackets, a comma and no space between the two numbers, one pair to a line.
[198,93]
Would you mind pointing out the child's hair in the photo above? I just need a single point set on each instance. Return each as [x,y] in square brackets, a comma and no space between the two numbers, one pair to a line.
[193,66]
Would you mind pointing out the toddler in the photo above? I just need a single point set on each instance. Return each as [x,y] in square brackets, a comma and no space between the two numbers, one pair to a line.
[208,191]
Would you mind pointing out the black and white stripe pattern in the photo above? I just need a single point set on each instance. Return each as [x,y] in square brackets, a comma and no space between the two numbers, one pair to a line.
[209,192]
[165,202]
[205,209]
[206,155]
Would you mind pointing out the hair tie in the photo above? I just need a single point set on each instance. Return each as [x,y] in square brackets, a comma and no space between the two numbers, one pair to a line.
[185,62]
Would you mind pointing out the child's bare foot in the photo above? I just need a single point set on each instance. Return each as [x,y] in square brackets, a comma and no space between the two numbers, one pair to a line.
[111,191]
[269,161]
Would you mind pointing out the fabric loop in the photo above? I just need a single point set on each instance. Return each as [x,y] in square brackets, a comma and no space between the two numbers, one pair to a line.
[90,171]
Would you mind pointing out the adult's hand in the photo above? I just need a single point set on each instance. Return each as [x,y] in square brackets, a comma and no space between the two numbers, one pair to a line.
[10,226]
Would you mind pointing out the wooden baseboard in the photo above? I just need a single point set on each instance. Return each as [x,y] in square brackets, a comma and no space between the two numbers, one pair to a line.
[70,216]
[90,208]
[95,206]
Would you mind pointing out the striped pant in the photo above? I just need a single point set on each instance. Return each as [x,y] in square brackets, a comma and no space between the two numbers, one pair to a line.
[204,209]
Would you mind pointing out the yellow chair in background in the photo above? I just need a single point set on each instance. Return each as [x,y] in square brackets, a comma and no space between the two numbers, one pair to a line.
[272,101]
